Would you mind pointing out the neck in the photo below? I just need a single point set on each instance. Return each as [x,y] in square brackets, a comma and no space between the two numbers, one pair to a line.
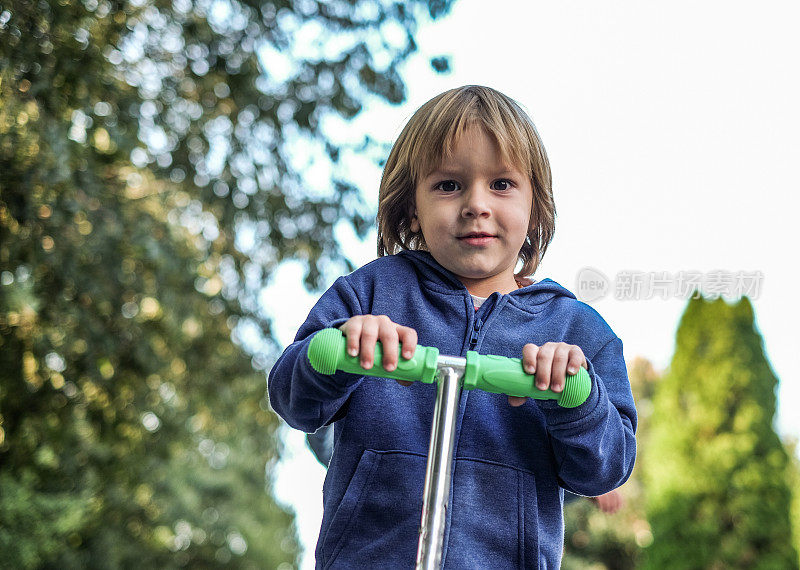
[484,287]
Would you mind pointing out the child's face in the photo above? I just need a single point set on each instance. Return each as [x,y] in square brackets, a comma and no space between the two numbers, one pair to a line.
[474,212]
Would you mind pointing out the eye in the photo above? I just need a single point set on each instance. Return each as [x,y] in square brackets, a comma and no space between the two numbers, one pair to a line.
[447,186]
[502,184]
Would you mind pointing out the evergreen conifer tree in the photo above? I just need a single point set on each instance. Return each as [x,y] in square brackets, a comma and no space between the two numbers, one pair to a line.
[716,470]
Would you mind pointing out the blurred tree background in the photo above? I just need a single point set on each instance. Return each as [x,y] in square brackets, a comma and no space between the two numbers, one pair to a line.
[717,489]
[153,160]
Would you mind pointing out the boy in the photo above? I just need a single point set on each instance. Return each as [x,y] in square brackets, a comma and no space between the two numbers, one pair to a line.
[465,196]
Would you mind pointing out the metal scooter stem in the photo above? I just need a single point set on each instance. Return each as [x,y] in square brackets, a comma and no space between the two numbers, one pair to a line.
[438,475]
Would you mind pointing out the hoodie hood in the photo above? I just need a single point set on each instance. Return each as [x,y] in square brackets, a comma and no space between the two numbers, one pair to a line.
[436,276]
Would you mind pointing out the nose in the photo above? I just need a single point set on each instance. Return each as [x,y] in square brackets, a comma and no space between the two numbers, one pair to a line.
[475,203]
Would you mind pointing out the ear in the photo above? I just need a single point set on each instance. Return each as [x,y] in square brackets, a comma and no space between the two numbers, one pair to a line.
[415,227]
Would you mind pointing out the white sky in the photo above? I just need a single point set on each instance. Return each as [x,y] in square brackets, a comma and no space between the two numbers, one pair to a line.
[672,130]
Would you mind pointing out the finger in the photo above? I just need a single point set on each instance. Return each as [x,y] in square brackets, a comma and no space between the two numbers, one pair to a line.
[544,364]
[516,401]
[352,333]
[576,360]
[609,503]
[369,336]
[408,337]
[529,352]
[558,373]
[404,382]
[388,336]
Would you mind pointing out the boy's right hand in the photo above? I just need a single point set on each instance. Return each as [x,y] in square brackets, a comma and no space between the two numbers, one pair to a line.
[363,331]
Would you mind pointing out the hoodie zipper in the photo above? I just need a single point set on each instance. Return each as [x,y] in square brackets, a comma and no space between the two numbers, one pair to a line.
[476,329]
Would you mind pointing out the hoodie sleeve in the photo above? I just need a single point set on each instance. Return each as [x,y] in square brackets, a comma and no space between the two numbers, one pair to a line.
[305,399]
[594,444]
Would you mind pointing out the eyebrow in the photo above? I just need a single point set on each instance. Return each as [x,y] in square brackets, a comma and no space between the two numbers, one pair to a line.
[455,172]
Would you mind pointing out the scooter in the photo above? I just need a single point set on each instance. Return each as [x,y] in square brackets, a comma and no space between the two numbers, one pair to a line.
[327,353]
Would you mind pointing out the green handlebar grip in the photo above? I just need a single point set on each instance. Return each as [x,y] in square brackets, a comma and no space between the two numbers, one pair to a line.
[502,375]
[327,353]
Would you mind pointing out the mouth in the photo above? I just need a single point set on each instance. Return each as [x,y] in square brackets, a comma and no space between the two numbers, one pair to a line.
[477,238]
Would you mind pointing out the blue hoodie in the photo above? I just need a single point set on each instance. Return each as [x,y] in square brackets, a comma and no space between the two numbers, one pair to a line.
[511,463]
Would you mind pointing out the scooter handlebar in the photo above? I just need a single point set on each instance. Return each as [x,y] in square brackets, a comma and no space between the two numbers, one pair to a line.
[327,353]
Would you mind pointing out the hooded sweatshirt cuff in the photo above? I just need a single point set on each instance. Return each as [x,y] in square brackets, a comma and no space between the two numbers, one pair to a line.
[557,416]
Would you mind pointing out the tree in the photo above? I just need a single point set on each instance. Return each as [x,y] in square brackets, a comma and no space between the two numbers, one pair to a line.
[716,476]
[150,181]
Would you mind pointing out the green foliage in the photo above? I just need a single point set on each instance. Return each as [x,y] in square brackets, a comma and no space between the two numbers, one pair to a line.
[716,471]
[595,540]
[793,481]
[149,184]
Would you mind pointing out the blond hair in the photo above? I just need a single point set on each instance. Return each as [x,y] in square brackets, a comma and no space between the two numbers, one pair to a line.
[432,133]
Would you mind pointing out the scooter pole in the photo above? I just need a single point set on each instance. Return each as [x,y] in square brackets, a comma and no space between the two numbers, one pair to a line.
[327,353]
[438,475]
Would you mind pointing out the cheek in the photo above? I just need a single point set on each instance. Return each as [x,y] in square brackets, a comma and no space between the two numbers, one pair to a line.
[525,219]
[525,225]
[530,221]
[430,218]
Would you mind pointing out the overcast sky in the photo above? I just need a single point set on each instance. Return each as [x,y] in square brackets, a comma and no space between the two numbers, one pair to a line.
[672,131]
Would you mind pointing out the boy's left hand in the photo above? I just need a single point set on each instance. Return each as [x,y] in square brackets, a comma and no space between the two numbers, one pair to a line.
[551,363]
